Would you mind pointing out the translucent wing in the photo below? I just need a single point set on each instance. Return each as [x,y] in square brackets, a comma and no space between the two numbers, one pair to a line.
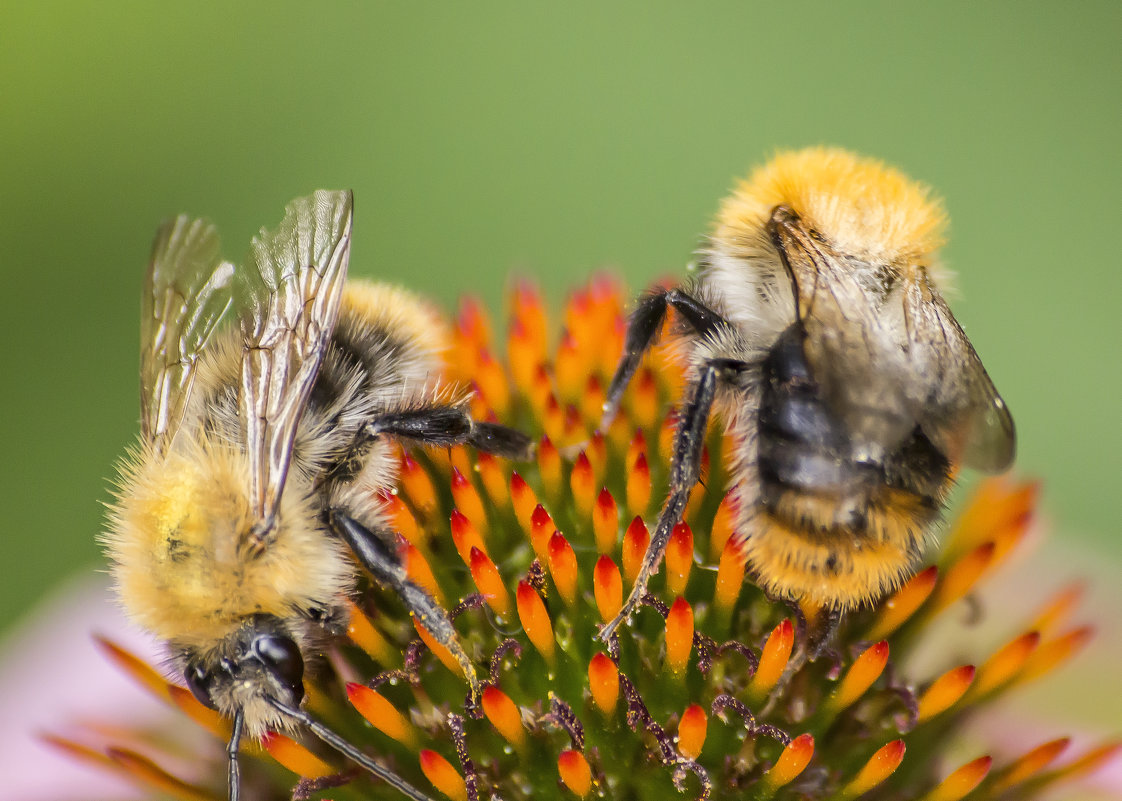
[964,416]
[294,283]
[889,355]
[855,356]
[186,292]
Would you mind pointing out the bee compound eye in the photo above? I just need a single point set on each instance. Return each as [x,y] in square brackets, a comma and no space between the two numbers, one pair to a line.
[199,681]
[282,658]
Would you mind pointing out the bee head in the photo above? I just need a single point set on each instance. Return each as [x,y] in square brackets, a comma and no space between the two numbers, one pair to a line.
[260,659]
[865,208]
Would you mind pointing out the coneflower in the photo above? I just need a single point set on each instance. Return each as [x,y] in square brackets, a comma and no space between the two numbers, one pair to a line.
[707,694]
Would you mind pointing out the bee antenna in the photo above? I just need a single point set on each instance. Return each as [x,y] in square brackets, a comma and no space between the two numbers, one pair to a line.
[234,779]
[346,749]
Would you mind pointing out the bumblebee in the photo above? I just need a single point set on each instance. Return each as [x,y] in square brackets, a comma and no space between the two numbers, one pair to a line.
[817,331]
[241,515]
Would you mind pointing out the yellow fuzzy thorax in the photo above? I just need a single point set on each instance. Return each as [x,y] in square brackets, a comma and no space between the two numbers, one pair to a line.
[184,568]
[863,207]
[397,309]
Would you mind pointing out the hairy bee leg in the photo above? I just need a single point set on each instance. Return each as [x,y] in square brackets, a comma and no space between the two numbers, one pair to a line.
[348,750]
[382,563]
[685,470]
[820,623]
[642,329]
[234,776]
[446,425]
[501,441]
[815,627]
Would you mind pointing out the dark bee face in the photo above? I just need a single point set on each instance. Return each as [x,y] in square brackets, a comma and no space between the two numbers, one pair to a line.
[260,654]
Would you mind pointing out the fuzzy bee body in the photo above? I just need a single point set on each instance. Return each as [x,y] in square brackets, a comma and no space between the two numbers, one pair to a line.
[816,331]
[181,550]
[264,446]
[825,524]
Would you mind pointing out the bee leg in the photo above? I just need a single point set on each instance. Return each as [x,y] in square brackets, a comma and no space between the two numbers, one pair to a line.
[822,623]
[643,328]
[234,778]
[383,564]
[348,750]
[685,470]
[446,425]
[815,627]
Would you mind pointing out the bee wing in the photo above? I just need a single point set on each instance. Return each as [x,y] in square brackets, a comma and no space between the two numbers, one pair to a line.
[295,285]
[964,415]
[847,343]
[892,357]
[186,292]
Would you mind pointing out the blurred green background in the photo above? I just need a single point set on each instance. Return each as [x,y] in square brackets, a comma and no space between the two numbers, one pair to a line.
[483,139]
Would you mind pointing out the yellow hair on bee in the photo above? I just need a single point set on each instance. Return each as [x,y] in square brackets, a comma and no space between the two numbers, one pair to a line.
[797,571]
[862,206]
[396,309]
[183,563]
[835,569]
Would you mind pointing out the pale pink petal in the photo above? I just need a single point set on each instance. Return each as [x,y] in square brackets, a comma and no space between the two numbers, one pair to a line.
[52,676]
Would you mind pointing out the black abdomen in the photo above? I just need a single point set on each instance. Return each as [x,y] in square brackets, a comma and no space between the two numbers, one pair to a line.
[805,452]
